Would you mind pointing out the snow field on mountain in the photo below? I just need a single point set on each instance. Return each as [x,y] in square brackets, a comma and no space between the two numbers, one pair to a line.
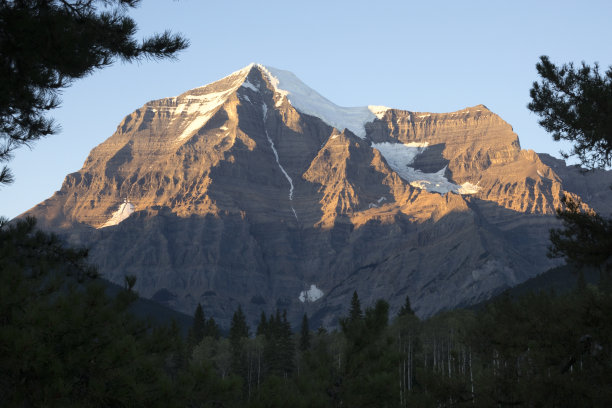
[311,295]
[206,105]
[400,156]
[308,101]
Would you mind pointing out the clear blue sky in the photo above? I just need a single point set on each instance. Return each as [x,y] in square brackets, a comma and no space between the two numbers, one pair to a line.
[436,56]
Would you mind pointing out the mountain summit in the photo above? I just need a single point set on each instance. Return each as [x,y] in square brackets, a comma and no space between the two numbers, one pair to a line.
[256,190]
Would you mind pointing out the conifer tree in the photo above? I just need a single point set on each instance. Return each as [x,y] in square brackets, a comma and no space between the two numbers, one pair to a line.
[575,104]
[239,331]
[304,334]
[272,333]
[199,325]
[287,346]
[238,328]
[406,309]
[377,318]
[586,237]
[355,312]
[262,327]
[64,342]
[279,347]
[47,45]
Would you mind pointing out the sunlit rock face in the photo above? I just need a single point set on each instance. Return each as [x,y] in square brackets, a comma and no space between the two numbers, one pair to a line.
[257,191]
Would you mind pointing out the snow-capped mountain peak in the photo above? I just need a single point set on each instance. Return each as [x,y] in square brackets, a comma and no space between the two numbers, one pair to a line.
[308,101]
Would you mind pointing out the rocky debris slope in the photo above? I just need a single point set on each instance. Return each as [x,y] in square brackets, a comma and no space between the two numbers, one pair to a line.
[256,190]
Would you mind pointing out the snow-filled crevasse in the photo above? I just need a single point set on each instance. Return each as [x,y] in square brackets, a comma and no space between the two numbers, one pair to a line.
[265,113]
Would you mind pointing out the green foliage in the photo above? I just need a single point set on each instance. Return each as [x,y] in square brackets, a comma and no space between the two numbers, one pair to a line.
[585,239]
[206,381]
[576,105]
[406,309]
[46,45]
[277,392]
[70,345]
[279,348]
[545,350]
[63,341]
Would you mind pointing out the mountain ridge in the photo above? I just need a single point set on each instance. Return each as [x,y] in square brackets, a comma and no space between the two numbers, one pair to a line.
[239,196]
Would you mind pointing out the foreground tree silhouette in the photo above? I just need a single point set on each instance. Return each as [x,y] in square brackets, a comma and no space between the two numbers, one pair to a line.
[575,104]
[63,341]
[46,45]
[585,240]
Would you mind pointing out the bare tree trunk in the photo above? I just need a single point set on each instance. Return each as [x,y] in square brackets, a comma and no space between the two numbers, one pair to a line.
[449,361]
[435,355]
[258,366]
[409,363]
[401,371]
[472,378]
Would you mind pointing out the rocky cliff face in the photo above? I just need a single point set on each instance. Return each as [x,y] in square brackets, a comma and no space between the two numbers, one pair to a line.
[256,190]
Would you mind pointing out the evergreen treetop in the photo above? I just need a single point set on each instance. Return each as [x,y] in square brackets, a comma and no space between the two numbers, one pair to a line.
[238,328]
[262,327]
[199,325]
[406,309]
[575,104]
[355,312]
[47,45]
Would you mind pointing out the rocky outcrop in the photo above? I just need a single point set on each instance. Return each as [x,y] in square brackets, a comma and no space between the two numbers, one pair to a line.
[255,190]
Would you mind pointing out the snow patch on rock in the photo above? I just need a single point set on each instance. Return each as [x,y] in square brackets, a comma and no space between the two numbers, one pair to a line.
[205,106]
[468,188]
[378,111]
[125,210]
[311,295]
[247,84]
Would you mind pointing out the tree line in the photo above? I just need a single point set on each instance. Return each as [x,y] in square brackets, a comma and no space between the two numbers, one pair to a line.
[66,343]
